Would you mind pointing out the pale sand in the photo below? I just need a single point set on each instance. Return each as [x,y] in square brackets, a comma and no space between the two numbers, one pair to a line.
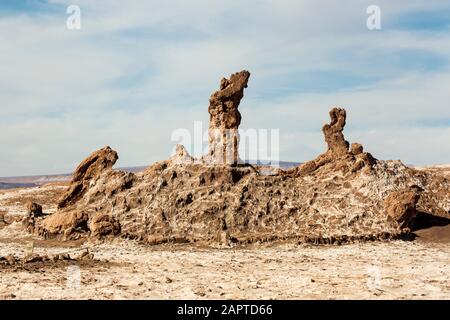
[395,270]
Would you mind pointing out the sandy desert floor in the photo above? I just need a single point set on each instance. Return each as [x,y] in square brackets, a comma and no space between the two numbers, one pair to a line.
[123,269]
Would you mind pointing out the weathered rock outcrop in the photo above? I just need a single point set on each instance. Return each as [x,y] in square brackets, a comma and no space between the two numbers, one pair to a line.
[333,132]
[225,119]
[98,162]
[65,223]
[102,224]
[182,156]
[401,206]
[34,209]
[338,155]
[31,260]
[343,195]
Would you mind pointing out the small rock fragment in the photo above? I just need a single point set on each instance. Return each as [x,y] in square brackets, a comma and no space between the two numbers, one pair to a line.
[356,148]
[34,209]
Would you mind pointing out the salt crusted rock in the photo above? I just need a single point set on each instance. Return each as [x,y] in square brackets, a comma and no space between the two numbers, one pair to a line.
[343,195]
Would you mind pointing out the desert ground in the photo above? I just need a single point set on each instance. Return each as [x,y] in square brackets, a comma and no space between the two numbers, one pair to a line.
[124,269]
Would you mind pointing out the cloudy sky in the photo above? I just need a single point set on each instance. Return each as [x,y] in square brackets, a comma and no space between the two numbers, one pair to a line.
[138,70]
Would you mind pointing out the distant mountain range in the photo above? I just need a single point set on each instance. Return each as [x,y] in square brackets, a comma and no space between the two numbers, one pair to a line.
[4,185]
[34,181]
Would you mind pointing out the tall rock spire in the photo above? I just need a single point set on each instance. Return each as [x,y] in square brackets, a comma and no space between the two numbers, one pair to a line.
[223,135]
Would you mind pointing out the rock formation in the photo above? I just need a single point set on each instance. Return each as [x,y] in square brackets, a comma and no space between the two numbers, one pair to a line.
[34,209]
[401,206]
[225,119]
[333,132]
[343,195]
[98,162]
[182,156]
[2,219]
[40,260]
[338,156]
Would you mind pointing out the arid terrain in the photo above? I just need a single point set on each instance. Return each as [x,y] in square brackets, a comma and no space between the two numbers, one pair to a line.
[126,269]
[342,225]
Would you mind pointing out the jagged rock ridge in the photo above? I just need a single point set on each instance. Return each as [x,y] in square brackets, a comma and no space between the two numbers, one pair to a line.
[344,194]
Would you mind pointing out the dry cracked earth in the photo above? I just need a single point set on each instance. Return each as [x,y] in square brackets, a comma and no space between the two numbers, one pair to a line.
[124,269]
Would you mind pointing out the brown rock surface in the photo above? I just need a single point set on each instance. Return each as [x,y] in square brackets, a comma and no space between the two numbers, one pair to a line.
[34,209]
[98,162]
[33,262]
[401,206]
[356,148]
[65,223]
[338,156]
[333,132]
[225,204]
[225,119]
[223,104]
[103,224]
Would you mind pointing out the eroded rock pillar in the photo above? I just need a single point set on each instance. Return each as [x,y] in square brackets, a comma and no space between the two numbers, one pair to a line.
[225,118]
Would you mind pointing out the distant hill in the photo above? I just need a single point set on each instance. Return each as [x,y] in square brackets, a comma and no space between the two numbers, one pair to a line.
[4,185]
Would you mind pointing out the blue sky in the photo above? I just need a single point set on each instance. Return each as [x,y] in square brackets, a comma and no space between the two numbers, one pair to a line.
[138,70]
